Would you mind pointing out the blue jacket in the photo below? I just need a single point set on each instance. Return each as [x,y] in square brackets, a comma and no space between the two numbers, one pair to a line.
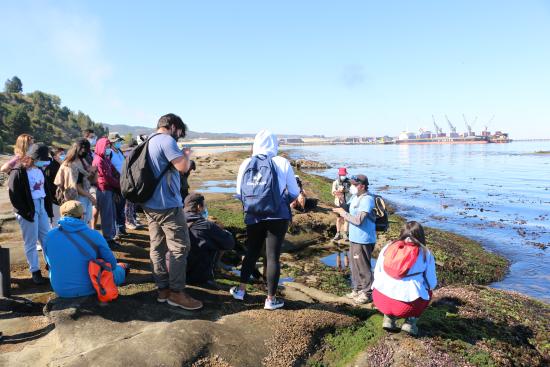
[68,266]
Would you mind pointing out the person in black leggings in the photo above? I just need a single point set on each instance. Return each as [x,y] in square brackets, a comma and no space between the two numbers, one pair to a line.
[269,228]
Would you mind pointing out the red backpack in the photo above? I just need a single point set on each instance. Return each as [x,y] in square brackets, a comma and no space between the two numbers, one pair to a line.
[399,258]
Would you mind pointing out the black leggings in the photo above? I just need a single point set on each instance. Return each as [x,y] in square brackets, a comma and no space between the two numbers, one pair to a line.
[273,233]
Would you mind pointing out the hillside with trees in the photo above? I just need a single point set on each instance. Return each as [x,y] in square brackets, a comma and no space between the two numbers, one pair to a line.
[41,115]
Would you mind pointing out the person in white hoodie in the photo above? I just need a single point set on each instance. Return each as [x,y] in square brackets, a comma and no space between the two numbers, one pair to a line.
[268,227]
[404,278]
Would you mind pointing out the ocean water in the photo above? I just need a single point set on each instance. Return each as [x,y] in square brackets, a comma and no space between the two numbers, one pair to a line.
[498,194]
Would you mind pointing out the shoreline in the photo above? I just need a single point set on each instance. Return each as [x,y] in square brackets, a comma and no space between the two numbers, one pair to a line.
[466,325]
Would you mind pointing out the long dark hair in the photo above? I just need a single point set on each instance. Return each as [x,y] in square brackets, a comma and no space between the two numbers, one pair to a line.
[415,232]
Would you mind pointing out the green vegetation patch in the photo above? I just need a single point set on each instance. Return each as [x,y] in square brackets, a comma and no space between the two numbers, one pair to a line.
[228,211]
[317,185]
[488,327]
[343,346]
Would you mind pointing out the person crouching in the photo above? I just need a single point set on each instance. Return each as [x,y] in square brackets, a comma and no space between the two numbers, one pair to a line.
[69,275]
[404,277]
[208,241]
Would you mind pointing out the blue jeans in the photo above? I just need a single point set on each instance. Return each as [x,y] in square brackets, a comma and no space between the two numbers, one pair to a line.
[34,232]
[107,212]
[121,215]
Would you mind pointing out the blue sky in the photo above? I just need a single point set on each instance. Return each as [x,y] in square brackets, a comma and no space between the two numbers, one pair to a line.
[305,67]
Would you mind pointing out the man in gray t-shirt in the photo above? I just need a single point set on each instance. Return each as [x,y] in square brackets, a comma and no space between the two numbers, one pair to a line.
[167,224]
[163,149]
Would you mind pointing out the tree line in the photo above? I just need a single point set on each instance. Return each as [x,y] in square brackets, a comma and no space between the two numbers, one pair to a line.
[41,115]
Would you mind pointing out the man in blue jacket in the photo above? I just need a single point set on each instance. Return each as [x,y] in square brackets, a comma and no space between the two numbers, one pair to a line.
[68,263]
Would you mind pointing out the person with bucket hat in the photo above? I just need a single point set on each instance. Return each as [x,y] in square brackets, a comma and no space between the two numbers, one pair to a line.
[30,197]
[362,236]
[340,191]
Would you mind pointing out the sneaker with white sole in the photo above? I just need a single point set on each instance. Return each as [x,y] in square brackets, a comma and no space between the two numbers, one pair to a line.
[352,294]
[237,293]
[273,304]
[362,298]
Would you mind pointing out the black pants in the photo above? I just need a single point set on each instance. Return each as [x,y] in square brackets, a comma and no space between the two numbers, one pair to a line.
[361,272]
[273,233]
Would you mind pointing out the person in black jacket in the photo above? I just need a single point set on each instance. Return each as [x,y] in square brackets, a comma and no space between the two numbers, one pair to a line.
[30,196]
[50,171]
[208,240]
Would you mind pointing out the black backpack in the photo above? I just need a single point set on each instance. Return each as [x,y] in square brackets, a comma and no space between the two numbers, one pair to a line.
[137,179]
[381,213]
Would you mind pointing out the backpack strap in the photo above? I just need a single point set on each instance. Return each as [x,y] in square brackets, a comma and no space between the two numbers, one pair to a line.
[168,166]
[78,245]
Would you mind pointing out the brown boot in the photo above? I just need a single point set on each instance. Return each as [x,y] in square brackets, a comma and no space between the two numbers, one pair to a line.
[163,294]
[183,300]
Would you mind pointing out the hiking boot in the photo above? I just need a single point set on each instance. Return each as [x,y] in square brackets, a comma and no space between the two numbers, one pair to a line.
[237,293]
[163,294]
[37,278]
[409,326]
[362,298]
[183,300]
[389,323]
[336,237]
[273,304]
[352,294]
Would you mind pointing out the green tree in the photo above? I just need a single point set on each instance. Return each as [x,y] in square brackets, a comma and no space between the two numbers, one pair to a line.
[13,85]
[18,121]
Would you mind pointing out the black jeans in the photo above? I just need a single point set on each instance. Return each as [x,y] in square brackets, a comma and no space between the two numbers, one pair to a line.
[272,232]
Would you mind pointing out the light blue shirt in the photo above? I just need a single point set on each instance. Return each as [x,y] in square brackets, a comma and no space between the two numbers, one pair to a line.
[162,150]
[365,233]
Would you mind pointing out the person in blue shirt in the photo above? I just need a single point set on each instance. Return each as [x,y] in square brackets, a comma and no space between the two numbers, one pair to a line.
[69,275]
[362,236]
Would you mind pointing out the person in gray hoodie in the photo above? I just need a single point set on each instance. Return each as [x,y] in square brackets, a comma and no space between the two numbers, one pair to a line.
[269,228]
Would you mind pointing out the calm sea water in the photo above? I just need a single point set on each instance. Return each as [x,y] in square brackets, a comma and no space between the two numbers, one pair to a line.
[498,194]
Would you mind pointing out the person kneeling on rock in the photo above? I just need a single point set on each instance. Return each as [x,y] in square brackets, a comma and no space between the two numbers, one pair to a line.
[404,278]
[208,241]
[64,250]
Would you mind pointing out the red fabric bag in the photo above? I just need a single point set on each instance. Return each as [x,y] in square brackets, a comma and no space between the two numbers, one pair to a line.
[399,258]
[103,280]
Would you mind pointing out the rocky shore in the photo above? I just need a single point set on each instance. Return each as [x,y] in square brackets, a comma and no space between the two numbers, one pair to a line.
[468,323]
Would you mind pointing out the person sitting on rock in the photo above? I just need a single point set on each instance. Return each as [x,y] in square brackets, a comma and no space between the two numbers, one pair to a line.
[68,264]
[208,241]
[404,278]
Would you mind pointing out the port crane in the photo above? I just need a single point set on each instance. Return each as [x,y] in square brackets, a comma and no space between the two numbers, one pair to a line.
[489,122]
[453,128]
[467,125]
[438,130]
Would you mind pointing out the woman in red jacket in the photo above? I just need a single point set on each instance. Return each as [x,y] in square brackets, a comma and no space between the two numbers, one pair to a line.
[108,190]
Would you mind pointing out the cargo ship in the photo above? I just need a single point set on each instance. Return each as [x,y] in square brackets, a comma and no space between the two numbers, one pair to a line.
[439,137]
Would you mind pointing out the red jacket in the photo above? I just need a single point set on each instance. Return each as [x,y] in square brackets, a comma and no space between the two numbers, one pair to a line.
[107,176]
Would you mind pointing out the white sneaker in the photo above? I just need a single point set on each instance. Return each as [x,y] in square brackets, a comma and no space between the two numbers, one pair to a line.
[237,293]
[352,294]
[362,298]
[273,304]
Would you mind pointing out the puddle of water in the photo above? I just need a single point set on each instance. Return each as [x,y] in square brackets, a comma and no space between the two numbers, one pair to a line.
[219,186]
[237,272]
[340,260]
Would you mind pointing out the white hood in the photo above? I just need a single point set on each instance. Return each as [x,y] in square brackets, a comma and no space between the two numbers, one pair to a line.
[265,143]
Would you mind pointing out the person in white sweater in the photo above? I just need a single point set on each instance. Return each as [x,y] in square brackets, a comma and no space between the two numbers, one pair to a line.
[404,278]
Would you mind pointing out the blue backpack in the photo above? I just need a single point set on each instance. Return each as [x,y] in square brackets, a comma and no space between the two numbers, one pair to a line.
[260,187]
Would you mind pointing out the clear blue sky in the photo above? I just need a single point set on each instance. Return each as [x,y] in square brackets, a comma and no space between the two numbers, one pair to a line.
[305,67]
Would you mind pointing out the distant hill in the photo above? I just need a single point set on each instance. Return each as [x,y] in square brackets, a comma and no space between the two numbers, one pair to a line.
[138,130]
[123,129]
[41,115]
